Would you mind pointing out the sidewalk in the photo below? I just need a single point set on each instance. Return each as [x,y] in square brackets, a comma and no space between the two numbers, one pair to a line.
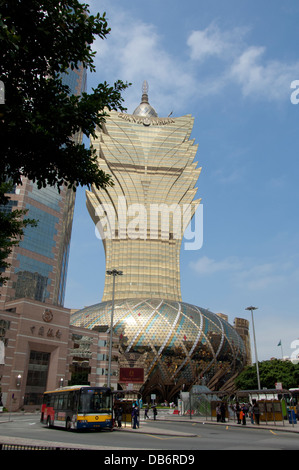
[163,416]
[146,428]
[278,426]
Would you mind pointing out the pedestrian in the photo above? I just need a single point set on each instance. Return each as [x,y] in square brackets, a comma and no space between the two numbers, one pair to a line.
[222,410]
[155,412]
[119,416]
[146,413]
[135,415]
[256,412]
[243,414]
[251,413]
[218,413]
[238,411]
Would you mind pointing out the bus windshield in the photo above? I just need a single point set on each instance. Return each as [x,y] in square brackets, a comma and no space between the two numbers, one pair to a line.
[95,401]
[295,395]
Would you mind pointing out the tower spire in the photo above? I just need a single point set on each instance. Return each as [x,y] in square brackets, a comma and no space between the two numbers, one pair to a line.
[144,108]
[144,98]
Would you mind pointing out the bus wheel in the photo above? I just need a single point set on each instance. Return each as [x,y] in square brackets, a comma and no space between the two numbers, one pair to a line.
[68,424]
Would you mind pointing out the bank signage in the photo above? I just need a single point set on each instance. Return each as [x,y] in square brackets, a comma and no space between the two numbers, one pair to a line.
[131,374]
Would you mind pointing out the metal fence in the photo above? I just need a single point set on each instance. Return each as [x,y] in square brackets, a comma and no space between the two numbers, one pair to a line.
[6,446]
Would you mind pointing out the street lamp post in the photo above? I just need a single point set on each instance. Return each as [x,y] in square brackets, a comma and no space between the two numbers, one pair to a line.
[114,273]
[255,348]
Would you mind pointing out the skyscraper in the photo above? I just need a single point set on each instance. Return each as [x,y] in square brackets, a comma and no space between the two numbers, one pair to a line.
[39,264]
[143,216]
[165,343]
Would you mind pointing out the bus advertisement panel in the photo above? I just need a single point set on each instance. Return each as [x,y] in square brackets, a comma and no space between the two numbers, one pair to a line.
[78,407]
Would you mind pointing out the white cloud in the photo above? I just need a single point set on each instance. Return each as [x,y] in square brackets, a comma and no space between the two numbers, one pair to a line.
[270,79]
[247,274]
[204,44]
[261,276]
[206,265]
[212,42]
[135,51]
[242,64]
[225,176]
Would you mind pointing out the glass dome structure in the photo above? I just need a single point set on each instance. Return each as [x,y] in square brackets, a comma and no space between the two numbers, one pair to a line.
[175,342]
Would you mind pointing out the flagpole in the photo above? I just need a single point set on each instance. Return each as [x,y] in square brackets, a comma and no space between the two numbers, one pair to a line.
[280,344]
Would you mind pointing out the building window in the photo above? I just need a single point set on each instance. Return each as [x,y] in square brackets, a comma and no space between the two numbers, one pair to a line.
[4,326]
[37,377]
[32,279]
[81,353]
[80,371]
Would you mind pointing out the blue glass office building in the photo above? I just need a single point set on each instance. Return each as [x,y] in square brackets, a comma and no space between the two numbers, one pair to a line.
[39,264]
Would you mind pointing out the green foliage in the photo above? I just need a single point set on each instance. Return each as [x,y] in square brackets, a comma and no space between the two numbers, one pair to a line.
[39,42]
[270,372]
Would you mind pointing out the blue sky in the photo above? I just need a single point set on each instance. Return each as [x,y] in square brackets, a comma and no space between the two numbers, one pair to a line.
[229,64]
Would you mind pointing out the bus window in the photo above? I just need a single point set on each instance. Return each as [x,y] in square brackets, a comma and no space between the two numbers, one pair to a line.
[70,401]
[46,400]
[94,401]
[60,402]
[55,405]
[295,395]
[52,399]
[65,400]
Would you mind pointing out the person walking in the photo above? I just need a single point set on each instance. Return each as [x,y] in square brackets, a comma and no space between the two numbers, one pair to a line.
[238,411]
[218,413]
[146,416]
[222,410]
[135,415]
[256,412]
[251,413]
[155,412]
[119,416]
[243,414]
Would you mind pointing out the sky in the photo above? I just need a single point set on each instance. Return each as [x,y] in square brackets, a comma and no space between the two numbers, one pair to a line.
[232,65]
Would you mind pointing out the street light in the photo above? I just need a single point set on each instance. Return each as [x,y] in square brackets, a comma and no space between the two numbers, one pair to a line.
[18,380]
[256,358]
[113,273]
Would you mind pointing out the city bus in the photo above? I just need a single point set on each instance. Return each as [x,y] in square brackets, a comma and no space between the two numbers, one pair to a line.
[295,400]
[78,407]
[295,395]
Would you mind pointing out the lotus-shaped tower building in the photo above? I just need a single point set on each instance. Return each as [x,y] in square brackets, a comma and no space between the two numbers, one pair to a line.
[142,220]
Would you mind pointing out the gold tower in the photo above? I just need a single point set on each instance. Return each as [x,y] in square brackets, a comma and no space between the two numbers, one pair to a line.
[142,218]
[170,342]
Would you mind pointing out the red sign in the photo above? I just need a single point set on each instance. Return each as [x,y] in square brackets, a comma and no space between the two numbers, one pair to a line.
[131,374]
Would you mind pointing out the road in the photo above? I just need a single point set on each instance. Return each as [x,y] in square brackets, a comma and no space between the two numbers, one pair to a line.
[199,436]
